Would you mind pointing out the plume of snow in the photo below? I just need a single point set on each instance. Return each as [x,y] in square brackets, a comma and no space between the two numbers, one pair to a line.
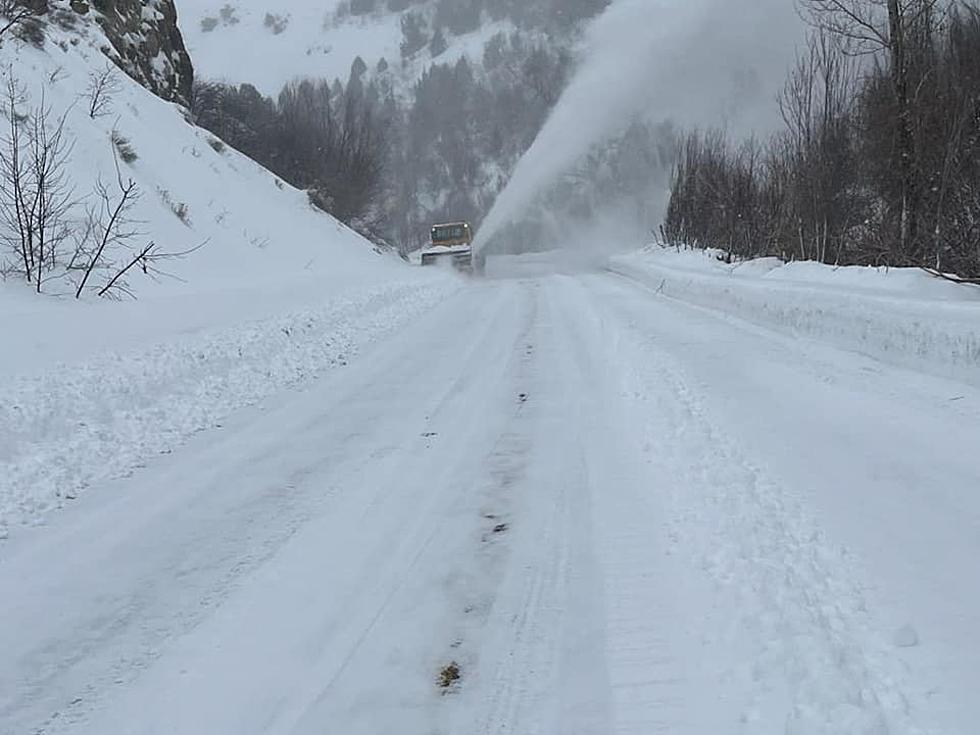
[697,62]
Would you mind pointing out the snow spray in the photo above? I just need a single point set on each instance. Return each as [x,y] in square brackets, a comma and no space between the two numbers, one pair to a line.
[696,62]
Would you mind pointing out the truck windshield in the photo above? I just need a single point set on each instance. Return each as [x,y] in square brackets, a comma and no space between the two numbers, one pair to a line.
[449,232]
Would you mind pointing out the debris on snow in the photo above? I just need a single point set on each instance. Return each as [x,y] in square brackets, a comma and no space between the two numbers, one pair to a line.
[906,637]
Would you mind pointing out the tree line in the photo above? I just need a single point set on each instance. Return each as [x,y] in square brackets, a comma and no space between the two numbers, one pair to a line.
[387,163]
[878,162]
[326,138]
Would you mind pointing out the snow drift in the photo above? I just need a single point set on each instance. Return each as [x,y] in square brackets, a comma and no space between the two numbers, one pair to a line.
[277,293]
[900,316]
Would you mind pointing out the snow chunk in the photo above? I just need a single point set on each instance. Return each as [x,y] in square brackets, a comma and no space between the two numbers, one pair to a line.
[906,637]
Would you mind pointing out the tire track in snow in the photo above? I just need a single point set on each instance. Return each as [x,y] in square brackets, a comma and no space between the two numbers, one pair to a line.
[515,663]
[789,617]
[182,562]
[80,425]
[648,684]
[538,669]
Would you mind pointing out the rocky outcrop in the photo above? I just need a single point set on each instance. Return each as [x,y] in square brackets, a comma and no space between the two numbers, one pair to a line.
[146,43]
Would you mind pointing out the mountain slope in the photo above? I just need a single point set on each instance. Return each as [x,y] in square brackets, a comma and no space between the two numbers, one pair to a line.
[251,41]
[254,290]
[462,88]
[192,189]
[235,42]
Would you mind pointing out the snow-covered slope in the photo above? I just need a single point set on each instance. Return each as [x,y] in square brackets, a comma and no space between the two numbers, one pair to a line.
[275,293]
[234,41]
[193,189]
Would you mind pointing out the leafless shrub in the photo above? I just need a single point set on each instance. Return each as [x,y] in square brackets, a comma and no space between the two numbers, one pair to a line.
[180,209]
[39,220]
[65,18]
[183,212]
[109,226]
[108,243]
[148,260]
[123,147]
[102,85]
[36,194]
[229,15]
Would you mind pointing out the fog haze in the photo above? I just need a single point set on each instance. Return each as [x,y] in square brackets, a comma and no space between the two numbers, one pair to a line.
[702,63]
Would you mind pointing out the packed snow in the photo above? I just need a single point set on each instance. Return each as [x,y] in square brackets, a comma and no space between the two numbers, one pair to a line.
[902,316]
[274,294]
[753,534]
[299,486]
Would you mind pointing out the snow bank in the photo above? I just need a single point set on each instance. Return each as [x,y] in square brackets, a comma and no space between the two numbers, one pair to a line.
[76,425]
[902,316]
[279,294]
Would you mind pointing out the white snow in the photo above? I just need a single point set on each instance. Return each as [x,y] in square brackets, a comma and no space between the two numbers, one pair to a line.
[637,64]
[67,426]
[614,511]
[313,44]
[278,294]
[309,46]
[663,495]
[901,316]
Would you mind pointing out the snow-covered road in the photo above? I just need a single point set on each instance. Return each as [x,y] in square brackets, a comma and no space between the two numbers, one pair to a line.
[610,511]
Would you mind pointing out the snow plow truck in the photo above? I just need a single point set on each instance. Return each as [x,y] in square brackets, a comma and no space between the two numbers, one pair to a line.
[452,244]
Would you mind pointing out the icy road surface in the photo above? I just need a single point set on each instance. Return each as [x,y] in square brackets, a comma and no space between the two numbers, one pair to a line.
[614,513]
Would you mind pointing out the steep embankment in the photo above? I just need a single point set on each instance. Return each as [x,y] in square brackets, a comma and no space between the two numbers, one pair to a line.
[272,294]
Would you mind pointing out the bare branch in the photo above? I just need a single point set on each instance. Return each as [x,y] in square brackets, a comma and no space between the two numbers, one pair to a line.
[12,14]
[102,85]
[115,281]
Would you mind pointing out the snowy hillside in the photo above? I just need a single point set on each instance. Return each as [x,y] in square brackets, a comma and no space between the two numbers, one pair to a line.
[192,189]
[234,41]
[254,288]
[459,90]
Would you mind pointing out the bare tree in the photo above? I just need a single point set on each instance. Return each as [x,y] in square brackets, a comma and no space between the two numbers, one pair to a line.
[874,26]
[831,187]
[12,14]
[50,188]
[16,207]
[149,260]
[816,104]
[36,194]
[108,225]
[143,258]
[102,85]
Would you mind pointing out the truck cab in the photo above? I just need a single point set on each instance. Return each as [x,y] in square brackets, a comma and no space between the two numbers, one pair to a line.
[451,243]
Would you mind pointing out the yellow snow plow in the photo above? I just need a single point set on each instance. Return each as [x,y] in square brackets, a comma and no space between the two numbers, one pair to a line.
[452,244]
